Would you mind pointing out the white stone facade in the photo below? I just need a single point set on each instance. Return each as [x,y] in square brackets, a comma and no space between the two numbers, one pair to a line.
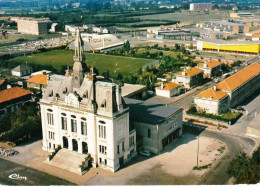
[167,93]
[87,115]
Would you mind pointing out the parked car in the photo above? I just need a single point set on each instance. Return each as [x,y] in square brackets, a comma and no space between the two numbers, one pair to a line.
[145,152]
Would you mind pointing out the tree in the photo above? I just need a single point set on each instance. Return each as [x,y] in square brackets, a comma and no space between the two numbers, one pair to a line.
[132,52]
[119,76]
[244,169]
[126,46]
[177,47]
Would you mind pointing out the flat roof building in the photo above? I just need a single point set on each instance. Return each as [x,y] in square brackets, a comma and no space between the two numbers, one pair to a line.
[156,125]
[226,27]
[246,47]
[32,26]
[198,7]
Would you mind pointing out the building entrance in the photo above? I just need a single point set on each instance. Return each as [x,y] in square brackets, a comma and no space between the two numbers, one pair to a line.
[84,148]
[65,142]
[74,145]
[170,137]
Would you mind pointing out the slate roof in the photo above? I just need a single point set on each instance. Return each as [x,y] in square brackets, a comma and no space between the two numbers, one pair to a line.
[21,68]
[149,112]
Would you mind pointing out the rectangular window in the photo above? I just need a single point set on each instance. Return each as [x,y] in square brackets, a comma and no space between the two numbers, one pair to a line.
[51,135]
[73,125]
[123,146]
[102,149]
[118,151]
[100,160]
[105,161]
[50,119]
[84,128]
[131,141]
[102,131]
[64,123]
[149,133]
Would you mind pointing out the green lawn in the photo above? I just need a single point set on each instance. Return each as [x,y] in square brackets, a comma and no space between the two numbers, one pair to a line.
[114,64]
[165,53]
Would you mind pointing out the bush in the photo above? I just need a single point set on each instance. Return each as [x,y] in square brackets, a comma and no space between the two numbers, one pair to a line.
[226,117]
[24,124]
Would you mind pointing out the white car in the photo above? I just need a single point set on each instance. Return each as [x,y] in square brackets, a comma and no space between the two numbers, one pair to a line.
[145,152]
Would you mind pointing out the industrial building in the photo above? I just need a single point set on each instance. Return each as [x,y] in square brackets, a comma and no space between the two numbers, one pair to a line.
[198,7]
[246,47]
[242,15]
[102,43]
[226,26]
[167,32]
[229,92]
[32,26]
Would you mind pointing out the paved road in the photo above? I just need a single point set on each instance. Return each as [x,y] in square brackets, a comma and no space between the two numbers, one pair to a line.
[34,177]
[217,174]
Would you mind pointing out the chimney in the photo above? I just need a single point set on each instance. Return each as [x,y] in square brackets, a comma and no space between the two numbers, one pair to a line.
[183,73]
[205,65]
[9,86]
[118,97]
[162,86]
[215,88]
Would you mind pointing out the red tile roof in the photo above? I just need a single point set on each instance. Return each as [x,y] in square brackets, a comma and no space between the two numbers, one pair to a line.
[212,94]
[38,79]
[169,86]
[1,81]
[236,80]
[191,72]
[13,93]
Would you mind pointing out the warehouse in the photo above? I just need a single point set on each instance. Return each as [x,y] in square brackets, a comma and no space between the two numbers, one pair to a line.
[245,47]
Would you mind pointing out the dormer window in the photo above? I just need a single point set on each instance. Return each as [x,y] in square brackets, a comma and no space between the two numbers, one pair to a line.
[103,104]
[51,94]
[65,91]
[57,95]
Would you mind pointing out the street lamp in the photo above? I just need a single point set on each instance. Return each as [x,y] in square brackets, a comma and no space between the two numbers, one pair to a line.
[198,151]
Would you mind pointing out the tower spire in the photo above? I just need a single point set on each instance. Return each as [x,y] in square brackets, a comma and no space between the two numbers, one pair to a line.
[78,56]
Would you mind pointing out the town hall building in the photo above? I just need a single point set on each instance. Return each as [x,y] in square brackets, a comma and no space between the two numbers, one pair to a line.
[87,115]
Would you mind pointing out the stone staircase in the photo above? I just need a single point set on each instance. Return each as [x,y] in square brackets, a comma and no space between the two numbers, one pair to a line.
[68,160]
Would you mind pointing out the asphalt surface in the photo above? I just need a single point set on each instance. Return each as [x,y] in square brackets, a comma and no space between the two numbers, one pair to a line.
[15,174]
[217,175]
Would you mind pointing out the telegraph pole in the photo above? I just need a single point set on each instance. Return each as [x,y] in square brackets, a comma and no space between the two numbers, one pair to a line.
[198,151]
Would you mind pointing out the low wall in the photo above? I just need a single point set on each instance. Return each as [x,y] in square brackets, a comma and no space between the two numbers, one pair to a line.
[206,121]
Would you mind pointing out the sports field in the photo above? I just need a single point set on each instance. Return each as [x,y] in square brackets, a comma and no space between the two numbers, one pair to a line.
[114,64]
